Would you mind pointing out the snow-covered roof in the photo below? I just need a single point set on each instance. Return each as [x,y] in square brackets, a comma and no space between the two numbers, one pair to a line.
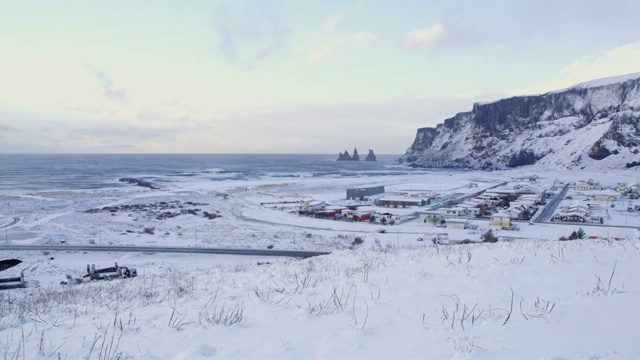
[605,192]
[401,199]
[456,220]
[501,214]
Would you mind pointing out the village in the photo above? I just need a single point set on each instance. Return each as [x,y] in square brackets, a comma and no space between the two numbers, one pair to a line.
[503,206]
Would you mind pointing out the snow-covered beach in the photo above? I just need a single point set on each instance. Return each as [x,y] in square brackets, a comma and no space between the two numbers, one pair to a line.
[386,295]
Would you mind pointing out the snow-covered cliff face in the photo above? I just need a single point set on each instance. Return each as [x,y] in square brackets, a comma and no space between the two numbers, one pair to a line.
[591,125]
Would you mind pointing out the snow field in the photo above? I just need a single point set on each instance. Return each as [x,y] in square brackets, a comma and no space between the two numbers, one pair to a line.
[529,299]
[391,297]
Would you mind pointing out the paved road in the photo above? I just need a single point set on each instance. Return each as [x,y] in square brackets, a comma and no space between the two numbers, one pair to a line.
[154,249]
[548,210]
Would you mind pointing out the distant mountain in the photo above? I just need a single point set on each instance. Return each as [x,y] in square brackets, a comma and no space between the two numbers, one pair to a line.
[590,125]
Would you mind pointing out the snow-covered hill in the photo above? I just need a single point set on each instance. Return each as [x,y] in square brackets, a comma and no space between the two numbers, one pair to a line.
[532,299]
[589,125]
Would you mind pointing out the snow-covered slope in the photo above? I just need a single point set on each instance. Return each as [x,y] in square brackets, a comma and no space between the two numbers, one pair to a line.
[590,125]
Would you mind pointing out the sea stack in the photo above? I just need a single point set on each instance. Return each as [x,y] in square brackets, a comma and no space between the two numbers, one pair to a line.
[371,156]
[346,157]
[355,156]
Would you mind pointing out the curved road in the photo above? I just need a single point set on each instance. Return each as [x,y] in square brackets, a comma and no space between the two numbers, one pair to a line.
[190,250]
[13,222]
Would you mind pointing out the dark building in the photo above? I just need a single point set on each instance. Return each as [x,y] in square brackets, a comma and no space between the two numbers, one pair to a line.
[360,193]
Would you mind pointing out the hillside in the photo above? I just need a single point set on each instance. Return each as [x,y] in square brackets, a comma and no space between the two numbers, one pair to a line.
[533,299]
[591,125]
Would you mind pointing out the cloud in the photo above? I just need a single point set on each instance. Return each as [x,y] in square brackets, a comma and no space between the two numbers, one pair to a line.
[330,45]
[6,128]
[250,32]
[525,24]
[108,90]
[331,22]
[422,39]
[363,38]
[387,126]
[618,61]
[320,53]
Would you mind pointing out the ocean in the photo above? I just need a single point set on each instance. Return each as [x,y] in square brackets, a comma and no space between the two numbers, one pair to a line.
[94,171]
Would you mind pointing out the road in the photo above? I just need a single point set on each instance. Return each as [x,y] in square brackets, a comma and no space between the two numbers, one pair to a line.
[158,249]
[13,222]
[548,210]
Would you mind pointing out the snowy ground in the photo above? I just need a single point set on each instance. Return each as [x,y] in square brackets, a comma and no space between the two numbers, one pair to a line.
[390,297]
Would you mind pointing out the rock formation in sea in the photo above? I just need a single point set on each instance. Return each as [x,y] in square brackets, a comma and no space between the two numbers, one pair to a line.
[371,156]
[346,157]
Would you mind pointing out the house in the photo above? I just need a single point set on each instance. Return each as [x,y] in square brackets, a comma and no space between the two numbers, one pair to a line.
[588,185]
[488,199]
[400,201]
[605,195]
[594,206]
[432,216]
[330,212]
[315,205]
[471,209]
[501,219]
[453,212]
[575,212]
[395,219]
[457,223]
[570,216]
[357,215]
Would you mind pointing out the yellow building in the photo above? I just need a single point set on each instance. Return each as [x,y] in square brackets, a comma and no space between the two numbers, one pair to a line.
[500,219]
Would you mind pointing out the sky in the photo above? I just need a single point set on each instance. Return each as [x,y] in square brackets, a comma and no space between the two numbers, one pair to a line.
[269,76]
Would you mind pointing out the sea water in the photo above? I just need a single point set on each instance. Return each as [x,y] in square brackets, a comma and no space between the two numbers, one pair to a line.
[94,171]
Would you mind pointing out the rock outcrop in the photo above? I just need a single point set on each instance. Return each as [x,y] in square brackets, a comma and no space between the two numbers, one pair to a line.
[141,182]
[346,157]
[371,156]
[591,125]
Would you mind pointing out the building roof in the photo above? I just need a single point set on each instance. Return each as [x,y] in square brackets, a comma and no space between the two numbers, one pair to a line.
[501,214]
[457,220]
[402,199]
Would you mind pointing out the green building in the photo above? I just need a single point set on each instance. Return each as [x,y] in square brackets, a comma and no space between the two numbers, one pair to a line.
[360,193]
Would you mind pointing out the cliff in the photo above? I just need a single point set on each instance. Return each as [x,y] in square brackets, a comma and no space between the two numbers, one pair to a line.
[590,125]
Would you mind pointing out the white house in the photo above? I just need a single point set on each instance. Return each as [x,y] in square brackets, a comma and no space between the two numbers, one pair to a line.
[430,216]
[471,208]
[395,218]
[315,205]
[457,223]
[453,212]
[588,185]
